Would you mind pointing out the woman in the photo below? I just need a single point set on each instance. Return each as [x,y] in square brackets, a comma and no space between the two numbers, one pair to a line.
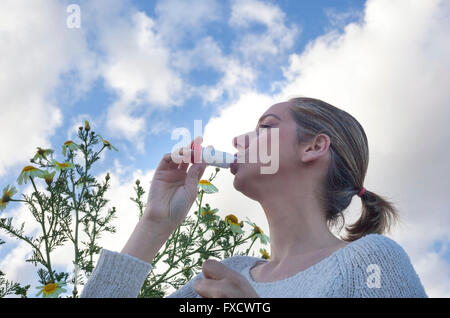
[323,159]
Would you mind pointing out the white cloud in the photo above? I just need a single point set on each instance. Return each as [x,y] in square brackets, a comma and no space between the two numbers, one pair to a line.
[18,271]
[339,19]
[236,77]
[261,47]
[179,20]
[31,64]
[135,65]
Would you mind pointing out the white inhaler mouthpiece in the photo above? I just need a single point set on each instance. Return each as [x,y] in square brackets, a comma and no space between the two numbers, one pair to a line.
[214,157]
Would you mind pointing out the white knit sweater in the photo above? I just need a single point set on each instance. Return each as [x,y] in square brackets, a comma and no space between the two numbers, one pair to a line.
[372,266]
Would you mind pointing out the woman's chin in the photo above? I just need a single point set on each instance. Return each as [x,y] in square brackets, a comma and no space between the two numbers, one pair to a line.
[243,179]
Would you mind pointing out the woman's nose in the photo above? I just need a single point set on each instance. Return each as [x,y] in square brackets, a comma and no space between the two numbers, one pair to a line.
[241,142]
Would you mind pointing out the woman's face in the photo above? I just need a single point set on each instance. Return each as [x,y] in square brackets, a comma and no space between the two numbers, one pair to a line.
[249,178]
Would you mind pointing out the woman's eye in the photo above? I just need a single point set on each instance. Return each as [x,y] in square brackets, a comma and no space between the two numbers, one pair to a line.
[265,126]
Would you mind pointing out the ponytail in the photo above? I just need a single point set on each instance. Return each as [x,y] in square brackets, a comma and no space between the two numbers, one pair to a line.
[378,216]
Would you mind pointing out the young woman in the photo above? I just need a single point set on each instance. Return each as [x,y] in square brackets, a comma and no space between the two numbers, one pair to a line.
[323,159]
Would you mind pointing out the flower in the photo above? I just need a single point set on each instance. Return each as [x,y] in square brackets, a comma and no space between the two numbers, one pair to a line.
[48,177]
[206,186]
[232,220]
[42,153]
[62,166]
[29,171]
[8,192]
[258,232]
[208,211]
[208,214]
[107,143]
[51,290]
[69,144]
[264,253]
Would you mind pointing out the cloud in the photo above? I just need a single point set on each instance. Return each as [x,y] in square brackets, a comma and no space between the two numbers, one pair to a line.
[137,67]
[339,19]
[259,47]
[32,66]
[146,65]
[234,76]
[17,271]
[175,25]
[134,61]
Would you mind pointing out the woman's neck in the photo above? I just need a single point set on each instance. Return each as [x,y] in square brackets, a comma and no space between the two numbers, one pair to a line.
[297,226]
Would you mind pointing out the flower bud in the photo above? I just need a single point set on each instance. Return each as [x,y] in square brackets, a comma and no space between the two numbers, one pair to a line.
[86,126]
[107,177]
[138,182]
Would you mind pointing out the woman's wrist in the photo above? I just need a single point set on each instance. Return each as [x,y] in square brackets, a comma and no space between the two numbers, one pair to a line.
[146,240]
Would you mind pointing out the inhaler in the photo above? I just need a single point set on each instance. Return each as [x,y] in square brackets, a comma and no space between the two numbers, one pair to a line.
[214,157]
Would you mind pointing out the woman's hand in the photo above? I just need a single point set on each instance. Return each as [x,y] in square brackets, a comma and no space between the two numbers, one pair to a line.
[222,282]
[173,190]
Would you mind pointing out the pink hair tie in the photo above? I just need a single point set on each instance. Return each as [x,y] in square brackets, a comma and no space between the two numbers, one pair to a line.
[361,192]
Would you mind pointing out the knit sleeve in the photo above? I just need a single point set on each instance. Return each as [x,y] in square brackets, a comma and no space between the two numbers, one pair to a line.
[378,267]
[116,275]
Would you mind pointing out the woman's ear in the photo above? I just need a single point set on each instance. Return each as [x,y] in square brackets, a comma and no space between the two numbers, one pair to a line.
[315,148]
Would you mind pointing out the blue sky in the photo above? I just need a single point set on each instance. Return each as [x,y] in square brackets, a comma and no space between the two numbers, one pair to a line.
[139,69]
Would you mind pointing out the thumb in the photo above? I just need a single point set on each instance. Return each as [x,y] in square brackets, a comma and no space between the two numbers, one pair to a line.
[213,269]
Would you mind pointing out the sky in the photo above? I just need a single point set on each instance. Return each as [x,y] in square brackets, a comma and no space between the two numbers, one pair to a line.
[137,70]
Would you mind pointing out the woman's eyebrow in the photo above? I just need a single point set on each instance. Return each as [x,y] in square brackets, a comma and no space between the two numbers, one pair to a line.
[262,117]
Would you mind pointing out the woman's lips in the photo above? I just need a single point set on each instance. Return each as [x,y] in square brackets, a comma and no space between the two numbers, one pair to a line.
[233,167]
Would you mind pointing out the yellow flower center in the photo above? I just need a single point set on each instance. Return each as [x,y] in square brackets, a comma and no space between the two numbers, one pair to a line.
[29,168]
[257,229]
[50,288]
[232,218]
[204,182]
[265,254]
[106,142]
[6,196]
[62,165]
[68,142]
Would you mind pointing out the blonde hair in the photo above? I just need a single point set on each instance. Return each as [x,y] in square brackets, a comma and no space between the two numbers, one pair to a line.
[348,166]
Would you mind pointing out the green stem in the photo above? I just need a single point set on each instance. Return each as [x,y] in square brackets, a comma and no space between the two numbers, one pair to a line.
[248,250]
[49,266]
[198,214]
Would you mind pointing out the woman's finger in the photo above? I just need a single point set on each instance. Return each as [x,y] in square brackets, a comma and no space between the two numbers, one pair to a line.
[174,159]
[183,166]
[185,157]
[165,161]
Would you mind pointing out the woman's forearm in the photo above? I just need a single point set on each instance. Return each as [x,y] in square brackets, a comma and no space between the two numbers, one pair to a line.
[146,240]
